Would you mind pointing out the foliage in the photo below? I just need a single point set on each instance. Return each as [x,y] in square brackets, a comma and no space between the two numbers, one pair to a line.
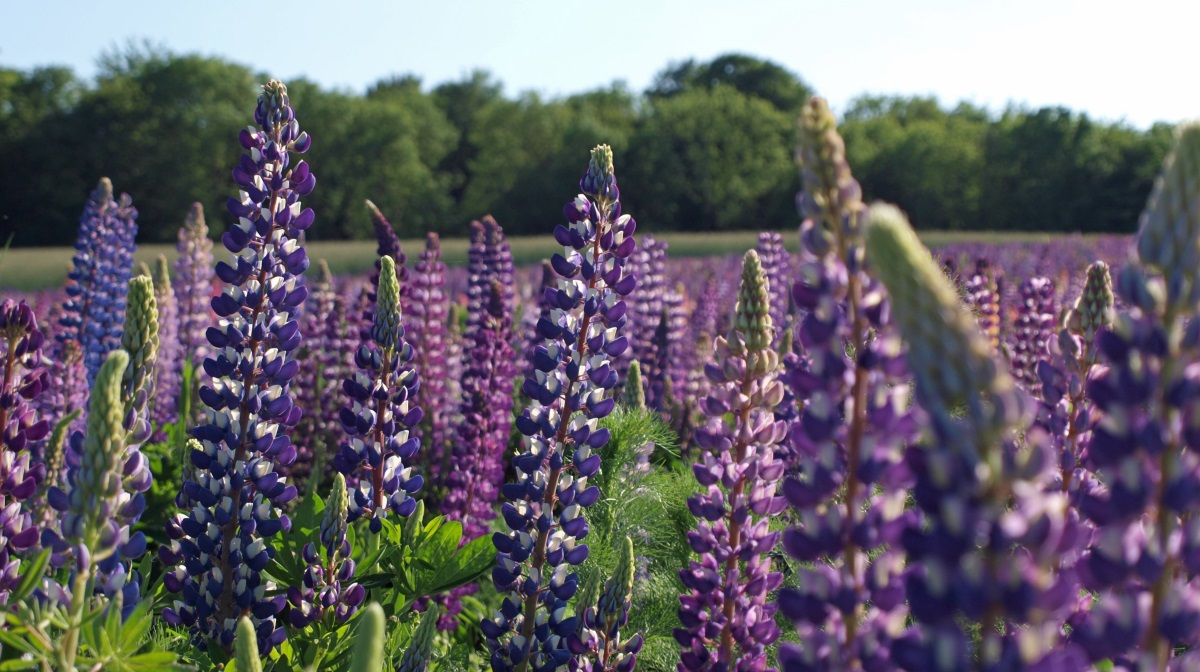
[707,145]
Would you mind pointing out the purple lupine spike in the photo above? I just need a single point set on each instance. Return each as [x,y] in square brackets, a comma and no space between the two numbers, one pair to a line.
[598,645]
[194,285]
[545,295]
[777,264]
[221,546]
[648,265]
[498,263]
[20,429]
[488,258]
[328,586]
[316,430]
[982,587]
[982,295]
[852,425]
[727,622]
[70,391]
[570,391]
[381,415]
[477,462]
[387,245]
[96,285]
[1066,413]
[115,576]
[1144,558]
[169,369]
[1032,330]
[427,333]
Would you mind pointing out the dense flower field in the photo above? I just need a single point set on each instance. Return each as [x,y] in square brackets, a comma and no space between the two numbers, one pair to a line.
[860,457]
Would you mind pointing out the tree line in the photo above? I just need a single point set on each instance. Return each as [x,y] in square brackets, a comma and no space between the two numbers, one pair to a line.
[708,146]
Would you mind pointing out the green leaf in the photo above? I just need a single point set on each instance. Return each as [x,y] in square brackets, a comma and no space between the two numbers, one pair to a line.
[468,564]
[31,576]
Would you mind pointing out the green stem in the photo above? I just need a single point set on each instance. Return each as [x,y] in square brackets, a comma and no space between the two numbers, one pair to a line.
[70,647]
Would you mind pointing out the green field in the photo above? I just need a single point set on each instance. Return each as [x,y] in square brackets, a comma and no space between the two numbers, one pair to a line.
[42,267]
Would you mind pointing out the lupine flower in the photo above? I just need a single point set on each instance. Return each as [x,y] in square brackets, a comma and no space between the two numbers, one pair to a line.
[379,419]
[224,540]
[90,513]
[851,426]
[1033,330]
[570,391]
[327,585]
[598,646]
[477,462]
[726,618]
[1144,449]
[388,245]
[420,647]
[634,395]
[169,369]
[320,367]
[649,265]
[70,391]
[20,428]
[139,342]
[776,263]
[103,262]
[194,278]
[545,293]
[982,295]
[984,553]
[427,330]
[1065,412]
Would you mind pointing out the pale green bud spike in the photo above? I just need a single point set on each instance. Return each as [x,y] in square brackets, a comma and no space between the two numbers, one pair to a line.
[752,317]
[369,639]
[162,276]
[140,340]
[275,94]
[785,342]
[245,645]
[376,215]
[1093,309]
[324,276]
[387,331]
[334,524]
[601,164]
[100,479]
[194,222]
[454,318]
[951,361]
[634,396]
[618,590]
[103,192]
[416,656]
[828,183]
[1168,238]
[143,269]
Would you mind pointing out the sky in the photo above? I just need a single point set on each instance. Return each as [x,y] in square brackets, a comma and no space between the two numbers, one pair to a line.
[1116,60]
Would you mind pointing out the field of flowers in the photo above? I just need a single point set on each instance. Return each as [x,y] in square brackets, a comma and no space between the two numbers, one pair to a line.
[860,456]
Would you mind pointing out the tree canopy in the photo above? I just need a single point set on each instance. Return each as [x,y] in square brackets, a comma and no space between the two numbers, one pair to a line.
[708,146]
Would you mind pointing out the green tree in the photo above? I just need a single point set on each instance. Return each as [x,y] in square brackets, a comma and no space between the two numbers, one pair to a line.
[911,152]
[749,75]
[712,160]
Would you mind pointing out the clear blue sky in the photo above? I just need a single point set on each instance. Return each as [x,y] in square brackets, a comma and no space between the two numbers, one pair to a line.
[1132,60]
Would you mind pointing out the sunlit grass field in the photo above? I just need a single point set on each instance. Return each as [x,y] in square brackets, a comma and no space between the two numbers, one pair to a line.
[43,267]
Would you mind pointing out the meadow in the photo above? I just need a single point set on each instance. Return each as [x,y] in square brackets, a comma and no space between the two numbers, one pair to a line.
[827,447]
[33,268]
